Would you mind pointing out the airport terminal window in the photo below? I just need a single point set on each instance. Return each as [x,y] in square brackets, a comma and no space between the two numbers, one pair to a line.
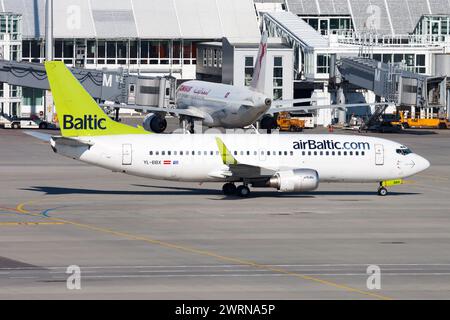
[323,63]
[164,52]
[277,78]
[176,52]
[249,69]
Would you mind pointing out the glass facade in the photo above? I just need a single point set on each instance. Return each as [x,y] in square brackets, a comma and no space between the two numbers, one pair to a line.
[413,62]
[330,25]
[116,52]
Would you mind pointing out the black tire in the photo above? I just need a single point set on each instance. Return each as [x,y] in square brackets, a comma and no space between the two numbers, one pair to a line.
[15,126]
[43,126]
[383,192]
[243,191]
[229,189]
[442,126]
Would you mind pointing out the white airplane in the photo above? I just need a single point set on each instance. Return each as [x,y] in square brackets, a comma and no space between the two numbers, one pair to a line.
[226,106]
[288,163]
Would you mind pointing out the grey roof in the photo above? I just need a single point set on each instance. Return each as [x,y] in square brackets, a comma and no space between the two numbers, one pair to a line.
[404,14]
[146,19]
[302,30]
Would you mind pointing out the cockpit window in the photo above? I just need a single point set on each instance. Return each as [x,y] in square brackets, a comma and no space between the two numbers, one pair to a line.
[404,152]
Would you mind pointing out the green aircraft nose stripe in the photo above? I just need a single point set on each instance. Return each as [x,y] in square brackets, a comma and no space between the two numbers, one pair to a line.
[226,155]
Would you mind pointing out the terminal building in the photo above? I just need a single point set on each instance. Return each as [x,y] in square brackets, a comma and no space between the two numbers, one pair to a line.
[314,50]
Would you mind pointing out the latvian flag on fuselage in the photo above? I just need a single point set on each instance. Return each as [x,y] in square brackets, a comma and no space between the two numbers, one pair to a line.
[167,162]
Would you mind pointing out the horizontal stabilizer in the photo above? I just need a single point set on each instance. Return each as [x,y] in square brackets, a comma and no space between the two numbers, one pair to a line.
[38,135]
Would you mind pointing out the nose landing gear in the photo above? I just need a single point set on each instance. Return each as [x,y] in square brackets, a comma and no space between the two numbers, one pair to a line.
[382,191]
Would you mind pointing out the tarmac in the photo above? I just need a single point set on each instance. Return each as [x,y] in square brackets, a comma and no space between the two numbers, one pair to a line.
[135,238]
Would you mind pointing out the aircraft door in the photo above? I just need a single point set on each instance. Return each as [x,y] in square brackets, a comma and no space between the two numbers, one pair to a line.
[127,154]
[379,154]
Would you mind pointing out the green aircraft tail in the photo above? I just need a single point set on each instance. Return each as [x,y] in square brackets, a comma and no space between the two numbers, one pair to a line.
[78,113]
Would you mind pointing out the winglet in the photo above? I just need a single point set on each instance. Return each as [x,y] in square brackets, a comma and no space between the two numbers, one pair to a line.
[226,155]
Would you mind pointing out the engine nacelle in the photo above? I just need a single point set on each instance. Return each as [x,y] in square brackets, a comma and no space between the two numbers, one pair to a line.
[155,123]
[295,181]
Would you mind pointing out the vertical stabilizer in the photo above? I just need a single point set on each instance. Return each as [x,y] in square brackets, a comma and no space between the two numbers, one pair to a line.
[78,113]
[257,83]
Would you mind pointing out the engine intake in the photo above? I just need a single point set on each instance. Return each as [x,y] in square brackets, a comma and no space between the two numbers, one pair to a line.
[155,123]
[295,181]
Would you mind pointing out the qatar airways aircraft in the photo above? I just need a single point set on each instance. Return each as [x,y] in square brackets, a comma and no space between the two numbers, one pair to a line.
[226,106]
[288,163]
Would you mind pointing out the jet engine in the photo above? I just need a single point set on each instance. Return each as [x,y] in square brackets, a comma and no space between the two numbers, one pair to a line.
[295,181]
[155,123]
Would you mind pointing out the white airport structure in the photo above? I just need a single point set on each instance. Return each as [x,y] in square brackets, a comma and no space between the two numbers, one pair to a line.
[313,50]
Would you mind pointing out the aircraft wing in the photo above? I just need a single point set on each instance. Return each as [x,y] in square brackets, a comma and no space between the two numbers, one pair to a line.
[237,169]
[190,112]
[313,108]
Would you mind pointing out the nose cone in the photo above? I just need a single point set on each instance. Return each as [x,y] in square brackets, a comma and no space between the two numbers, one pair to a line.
[422,164]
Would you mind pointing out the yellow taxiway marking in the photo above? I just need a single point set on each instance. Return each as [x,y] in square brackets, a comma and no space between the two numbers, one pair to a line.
[12,224]
[186,249]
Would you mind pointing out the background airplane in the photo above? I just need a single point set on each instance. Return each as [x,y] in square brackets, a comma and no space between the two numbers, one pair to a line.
[226,106]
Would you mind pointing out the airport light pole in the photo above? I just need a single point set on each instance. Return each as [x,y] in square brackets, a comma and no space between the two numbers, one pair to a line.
[49,30]
[49,109]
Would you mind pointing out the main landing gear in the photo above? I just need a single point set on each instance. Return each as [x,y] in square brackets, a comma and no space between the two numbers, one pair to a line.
[230,189]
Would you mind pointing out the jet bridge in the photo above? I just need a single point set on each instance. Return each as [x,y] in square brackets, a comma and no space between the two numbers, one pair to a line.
[103,85]
[393,83]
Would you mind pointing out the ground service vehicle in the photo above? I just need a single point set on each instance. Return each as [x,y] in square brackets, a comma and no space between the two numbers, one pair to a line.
[287,122]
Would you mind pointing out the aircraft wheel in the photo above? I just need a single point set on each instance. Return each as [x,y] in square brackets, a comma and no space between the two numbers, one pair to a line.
[229,189]
[243,191]
[382,192]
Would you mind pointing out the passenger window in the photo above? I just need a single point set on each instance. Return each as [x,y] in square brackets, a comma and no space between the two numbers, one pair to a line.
[333,153]
[327,153]
[321,153]
[345,153]
[205,153]
[151,153]
[357,153]
[351,153]
[268,153]
[285,153]
[248,153]
[157,153]
[339,153]
[163,153]
[169,153]
[303,153]
[309,153]
[199,153]
[292,153]
[181,153]
[235,153]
